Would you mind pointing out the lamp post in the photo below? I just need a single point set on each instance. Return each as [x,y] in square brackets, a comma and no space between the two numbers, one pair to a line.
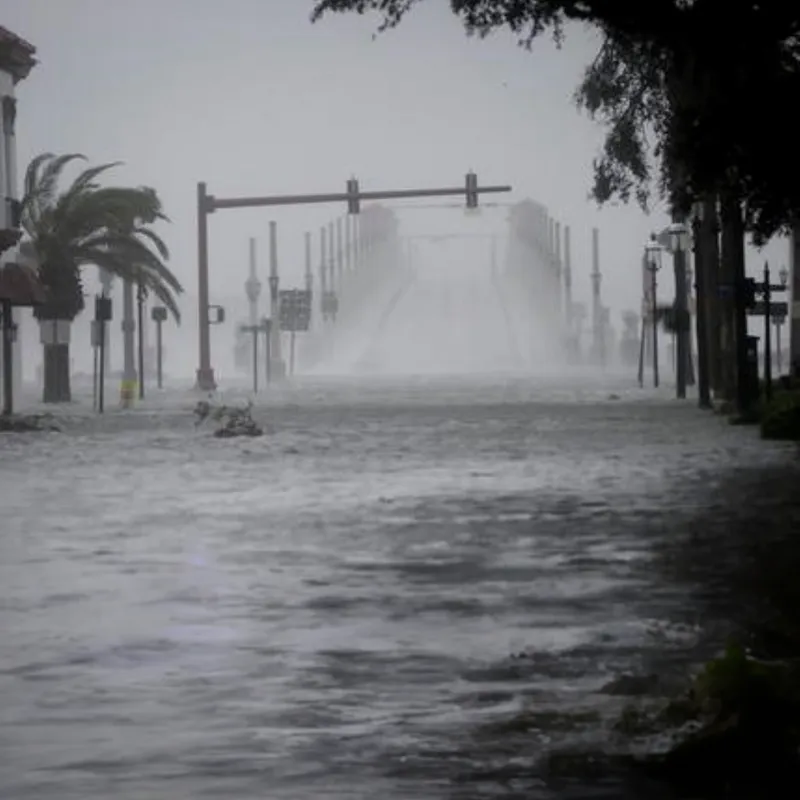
[653,260]
[679,244]
[783,274]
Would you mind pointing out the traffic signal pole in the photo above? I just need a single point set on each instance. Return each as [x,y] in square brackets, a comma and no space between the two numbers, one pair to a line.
[208,204]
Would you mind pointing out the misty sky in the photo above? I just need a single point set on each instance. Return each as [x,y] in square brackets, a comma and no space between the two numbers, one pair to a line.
[250,97]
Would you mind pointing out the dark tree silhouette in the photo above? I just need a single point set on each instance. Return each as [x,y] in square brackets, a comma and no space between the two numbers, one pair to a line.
[697,95]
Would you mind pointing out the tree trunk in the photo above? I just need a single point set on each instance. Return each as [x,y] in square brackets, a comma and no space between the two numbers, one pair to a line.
[733,267]
[709,232]
[727,307]
[56,374]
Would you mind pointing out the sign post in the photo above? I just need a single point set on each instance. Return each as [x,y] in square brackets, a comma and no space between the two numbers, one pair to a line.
[102,315]
[159,316]
[294,308]
[771,312]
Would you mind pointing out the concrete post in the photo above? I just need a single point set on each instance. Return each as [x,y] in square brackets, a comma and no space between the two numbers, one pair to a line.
[339,252]
[332,286]
[557,261]
[309,277]
[568,279]
[323,262]
[356,242]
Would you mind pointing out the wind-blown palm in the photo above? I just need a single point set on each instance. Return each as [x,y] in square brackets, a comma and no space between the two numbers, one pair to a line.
[92,224]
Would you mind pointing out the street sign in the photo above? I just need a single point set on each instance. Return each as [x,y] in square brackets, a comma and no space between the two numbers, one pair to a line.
[776,310]
[294,309]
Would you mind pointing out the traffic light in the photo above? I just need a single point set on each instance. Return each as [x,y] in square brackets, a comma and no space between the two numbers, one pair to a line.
[749,290]
[472,190]
[353,202]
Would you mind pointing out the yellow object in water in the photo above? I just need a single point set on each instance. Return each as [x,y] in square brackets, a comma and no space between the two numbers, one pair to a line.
[127,392]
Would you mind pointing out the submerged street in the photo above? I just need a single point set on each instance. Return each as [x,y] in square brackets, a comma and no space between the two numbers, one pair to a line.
[334,610]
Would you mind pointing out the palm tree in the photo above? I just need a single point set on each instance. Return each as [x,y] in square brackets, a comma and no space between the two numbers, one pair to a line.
[89,224]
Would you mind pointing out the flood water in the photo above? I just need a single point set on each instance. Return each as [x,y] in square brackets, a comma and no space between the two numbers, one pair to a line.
[333,610]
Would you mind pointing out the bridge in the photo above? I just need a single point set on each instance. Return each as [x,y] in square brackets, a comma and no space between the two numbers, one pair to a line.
[362,266]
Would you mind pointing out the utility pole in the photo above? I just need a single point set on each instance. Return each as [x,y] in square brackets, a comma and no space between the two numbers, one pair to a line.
[128,387]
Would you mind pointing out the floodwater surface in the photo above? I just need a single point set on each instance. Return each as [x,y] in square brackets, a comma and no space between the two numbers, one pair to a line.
[337,609]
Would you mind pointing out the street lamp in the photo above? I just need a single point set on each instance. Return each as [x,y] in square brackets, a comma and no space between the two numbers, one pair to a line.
[679,239]
[784,276]
[653,253]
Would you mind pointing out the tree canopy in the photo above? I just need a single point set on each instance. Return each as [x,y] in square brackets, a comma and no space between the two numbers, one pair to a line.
[89,224]
[702,87]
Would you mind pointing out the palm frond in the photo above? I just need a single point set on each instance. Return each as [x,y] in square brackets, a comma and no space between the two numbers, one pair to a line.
[131,206]
[90,224]
[51,173]
[86,179]
[118,264]
[132,254]
[31,180]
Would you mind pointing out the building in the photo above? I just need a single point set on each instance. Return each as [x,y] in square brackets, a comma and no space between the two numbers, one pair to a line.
[16,62]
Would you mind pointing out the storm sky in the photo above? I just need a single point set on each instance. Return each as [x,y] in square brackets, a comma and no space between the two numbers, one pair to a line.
[251,97]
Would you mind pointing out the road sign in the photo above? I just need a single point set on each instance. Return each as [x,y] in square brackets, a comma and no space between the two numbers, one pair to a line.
[776,310]
[294,309]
